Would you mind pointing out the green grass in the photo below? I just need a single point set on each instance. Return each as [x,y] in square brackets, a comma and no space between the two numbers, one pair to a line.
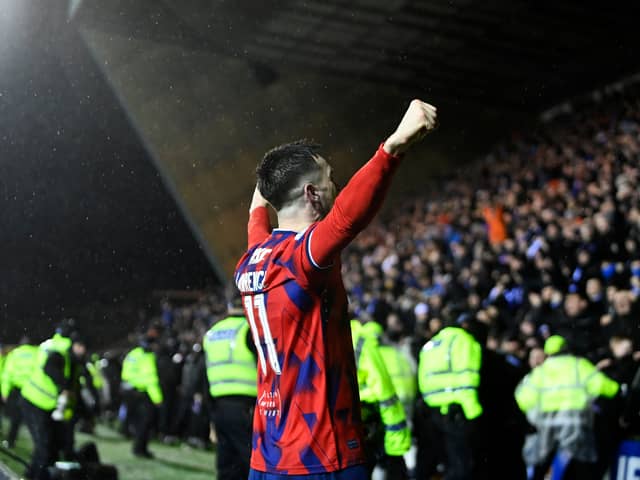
[172,462]
[23,449]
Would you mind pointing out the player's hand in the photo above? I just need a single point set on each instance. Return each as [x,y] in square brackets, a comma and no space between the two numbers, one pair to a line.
[419,119]
[257,200]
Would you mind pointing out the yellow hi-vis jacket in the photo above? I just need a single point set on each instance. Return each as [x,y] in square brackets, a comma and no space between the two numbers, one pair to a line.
[561,383]
[377,388]
[449,371]
[556,396]
[3,360]
[40,389]
[97,378]
[403,376]
[139,369]
[18,368]
[231,366]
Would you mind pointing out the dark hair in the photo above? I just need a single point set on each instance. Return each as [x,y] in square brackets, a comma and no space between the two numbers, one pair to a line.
[282,168]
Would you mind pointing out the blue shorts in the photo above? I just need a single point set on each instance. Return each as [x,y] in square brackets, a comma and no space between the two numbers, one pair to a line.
[359,472]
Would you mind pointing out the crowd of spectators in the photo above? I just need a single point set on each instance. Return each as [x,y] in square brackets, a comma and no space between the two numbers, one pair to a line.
[539,237]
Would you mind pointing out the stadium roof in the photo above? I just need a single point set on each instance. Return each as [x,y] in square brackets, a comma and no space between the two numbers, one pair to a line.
[514,54]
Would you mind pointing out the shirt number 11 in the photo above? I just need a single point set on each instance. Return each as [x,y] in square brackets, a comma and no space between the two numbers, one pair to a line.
[256,303]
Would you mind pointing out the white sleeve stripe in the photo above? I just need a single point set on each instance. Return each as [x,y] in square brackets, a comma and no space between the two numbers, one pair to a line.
[315,264]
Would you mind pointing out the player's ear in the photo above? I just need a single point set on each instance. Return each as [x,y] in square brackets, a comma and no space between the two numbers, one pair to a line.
[311,192]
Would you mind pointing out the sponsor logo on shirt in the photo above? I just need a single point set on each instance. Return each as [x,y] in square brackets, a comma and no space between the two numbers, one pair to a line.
[269,404]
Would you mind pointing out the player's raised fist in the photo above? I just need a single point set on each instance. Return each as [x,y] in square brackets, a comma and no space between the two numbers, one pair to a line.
[419,119]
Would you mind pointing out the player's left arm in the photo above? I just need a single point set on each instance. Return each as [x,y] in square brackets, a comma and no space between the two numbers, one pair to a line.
[259,227]
[360,200]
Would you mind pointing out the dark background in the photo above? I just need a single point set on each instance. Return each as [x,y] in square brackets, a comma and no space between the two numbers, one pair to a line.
[88,228]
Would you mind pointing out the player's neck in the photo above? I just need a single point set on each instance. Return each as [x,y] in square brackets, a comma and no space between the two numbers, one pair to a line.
[294,225]
[295,219]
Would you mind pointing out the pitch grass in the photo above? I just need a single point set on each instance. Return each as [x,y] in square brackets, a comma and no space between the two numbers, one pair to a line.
[172,462]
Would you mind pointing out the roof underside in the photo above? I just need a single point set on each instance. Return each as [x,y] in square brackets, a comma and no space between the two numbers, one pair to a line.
[512,54]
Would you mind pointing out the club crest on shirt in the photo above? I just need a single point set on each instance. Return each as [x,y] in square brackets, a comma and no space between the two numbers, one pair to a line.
[259,255]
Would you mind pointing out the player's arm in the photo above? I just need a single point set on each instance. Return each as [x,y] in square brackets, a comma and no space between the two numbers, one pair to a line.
[360,200]
[259,226]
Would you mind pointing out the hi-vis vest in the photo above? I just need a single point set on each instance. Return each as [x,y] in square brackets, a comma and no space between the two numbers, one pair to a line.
[449,371]
[3,360]
[231,366]
[402,376]
[18,368]
[563,383]
[97,377]
[376,388]
[139,370]
[40,389]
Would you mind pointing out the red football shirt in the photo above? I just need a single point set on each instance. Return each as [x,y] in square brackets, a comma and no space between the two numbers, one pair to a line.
[307,417]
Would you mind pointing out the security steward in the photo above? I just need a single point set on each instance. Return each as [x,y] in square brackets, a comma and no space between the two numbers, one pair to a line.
[556,397]
[17,370]
[448,380]
[387,434]
[141,389]
[46,396]
[86,404]
[232,376]
[94,368]
[403,376]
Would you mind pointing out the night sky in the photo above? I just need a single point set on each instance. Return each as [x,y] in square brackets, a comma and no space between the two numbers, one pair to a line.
[86,218]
